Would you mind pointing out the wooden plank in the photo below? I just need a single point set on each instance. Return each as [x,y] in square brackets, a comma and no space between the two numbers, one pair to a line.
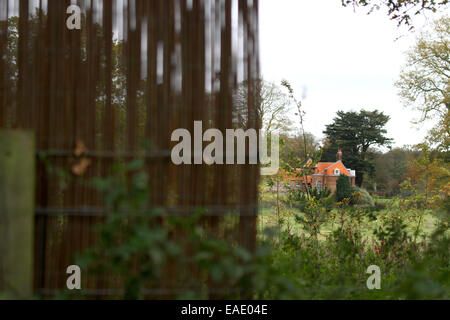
[17,166]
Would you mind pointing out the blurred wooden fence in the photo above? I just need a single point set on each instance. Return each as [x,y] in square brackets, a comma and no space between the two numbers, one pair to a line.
[116,88]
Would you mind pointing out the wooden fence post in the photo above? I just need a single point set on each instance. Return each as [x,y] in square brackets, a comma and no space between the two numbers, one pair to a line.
[17,176]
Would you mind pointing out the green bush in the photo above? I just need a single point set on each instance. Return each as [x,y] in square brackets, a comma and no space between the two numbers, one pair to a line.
[335,268]
[343,188]
[380,206]
[362,198]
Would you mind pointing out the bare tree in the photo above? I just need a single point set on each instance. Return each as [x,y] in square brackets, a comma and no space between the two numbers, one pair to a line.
[273,107]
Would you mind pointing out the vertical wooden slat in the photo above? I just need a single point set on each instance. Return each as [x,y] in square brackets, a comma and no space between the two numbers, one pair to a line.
[22,87]
[3,62]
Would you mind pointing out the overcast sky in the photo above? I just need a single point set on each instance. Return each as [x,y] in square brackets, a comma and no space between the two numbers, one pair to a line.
[347,61]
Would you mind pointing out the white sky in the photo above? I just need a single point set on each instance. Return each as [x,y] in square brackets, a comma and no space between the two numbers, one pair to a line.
[347,60]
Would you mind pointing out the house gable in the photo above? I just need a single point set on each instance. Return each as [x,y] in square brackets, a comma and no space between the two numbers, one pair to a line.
[328,169]
[322,166]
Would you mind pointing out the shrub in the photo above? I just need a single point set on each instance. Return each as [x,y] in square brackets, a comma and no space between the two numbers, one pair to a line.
[343,188]
[362,198]
[336,267]
[379,206]
[298,195]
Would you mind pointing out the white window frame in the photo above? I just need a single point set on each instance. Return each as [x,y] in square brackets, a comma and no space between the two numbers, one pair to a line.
[337,172]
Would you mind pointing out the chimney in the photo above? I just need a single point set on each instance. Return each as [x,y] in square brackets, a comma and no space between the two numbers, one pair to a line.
[339,155]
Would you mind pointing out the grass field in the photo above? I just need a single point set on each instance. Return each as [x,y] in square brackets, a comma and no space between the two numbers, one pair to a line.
[269,217]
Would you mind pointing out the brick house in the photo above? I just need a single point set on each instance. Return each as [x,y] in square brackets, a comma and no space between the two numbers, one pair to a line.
[326,174]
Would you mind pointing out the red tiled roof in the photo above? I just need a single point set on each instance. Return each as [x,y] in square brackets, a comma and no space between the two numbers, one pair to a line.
[322,168]
[327,168]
